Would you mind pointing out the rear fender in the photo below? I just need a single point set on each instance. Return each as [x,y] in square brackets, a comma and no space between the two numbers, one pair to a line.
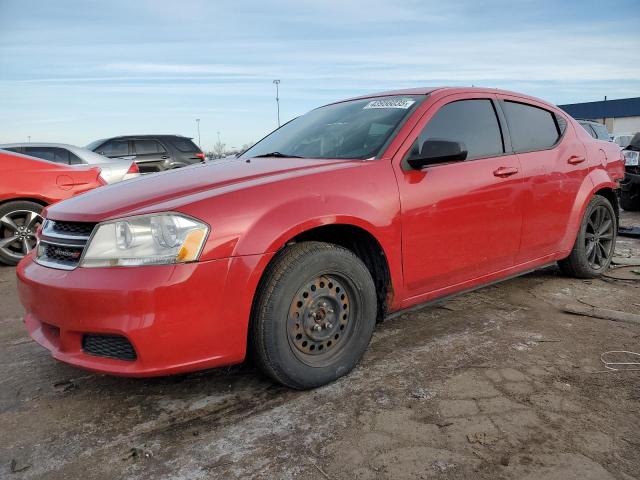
[597,179]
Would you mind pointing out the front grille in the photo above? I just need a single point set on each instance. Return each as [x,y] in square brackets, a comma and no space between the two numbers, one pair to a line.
[62,243]
[111,346]
[81,229]
[64,254]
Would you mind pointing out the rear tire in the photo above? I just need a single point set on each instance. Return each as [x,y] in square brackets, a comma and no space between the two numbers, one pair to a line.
[595,243]
[313,316]
[18,223]
[630,200]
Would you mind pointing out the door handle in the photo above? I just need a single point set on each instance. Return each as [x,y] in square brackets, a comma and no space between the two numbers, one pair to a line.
[504,172]
[575,159]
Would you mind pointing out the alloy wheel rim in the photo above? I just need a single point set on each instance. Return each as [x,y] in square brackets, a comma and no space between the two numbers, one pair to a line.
[321,320]
[18,232]
[599,237]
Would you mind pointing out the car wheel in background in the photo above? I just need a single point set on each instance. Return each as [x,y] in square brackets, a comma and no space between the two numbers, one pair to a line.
[313,315]
[630,200]
[19,221]
[595,243]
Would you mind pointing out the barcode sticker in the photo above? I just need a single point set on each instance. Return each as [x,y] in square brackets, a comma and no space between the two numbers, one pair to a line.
[403,103]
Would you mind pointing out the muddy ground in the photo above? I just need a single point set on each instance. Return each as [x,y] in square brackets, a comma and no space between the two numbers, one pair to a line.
[495,384]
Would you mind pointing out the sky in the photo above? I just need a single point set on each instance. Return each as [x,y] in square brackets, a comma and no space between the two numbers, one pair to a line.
[73,71]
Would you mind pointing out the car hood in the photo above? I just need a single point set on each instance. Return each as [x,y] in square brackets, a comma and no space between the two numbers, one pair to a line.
[171,189]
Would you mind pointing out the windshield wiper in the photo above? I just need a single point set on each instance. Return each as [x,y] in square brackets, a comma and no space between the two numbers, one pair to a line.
[276,154]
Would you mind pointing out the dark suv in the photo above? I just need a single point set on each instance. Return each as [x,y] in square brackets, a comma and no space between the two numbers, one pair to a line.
[152,153]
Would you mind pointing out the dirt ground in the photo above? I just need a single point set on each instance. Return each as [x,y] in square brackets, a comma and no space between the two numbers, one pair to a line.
[495,384]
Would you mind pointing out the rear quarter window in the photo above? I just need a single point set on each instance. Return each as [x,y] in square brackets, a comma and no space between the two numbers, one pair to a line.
[185,145]
[531,128]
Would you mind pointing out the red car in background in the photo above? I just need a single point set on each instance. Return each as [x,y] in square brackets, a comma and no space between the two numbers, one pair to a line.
[27,185]
[341,217]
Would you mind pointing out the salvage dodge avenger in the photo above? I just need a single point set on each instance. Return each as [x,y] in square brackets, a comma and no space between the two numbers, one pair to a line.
[342,217]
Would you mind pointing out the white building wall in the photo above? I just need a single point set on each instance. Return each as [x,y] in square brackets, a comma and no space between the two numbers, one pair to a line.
[624,125]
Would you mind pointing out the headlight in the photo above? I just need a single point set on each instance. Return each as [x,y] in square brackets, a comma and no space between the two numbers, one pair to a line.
[631,157]
[157,239]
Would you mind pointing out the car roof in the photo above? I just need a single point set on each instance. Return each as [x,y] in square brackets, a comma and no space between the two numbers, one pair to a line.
[147,135]
[451,90]
[38,144]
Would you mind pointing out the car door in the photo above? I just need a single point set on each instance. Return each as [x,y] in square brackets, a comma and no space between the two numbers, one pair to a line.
[554,165]
[149,151]
[460,220]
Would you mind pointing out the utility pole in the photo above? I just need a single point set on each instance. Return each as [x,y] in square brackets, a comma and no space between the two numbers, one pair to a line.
[198,124]
[29,137]
[276,83]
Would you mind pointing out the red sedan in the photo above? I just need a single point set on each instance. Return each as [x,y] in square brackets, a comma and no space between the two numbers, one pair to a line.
[27,185]
[342,217]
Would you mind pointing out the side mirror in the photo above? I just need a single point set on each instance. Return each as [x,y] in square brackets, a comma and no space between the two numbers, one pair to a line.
[437,151]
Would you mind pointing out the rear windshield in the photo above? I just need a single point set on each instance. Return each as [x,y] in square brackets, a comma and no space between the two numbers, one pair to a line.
[357,129]
[185,145]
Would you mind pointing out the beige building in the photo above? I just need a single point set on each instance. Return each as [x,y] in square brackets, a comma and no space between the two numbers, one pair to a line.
[620,116]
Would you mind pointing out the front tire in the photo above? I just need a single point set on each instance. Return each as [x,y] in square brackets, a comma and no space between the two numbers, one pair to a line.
[595,243]
[19,221]
[314,314]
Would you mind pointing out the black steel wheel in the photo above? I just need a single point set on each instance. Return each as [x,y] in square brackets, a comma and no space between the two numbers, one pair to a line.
[320,321]
[595,243]
[18,224]
[313,315]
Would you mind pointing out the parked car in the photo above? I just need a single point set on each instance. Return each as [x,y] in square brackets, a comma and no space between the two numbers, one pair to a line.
[595,129]
[622,139]
[630,186]
[346,215]
[152,153]
[27,185]
[112,170]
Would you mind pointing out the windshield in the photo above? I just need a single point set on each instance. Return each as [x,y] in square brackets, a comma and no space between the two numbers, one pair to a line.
[357,129]
[623,140]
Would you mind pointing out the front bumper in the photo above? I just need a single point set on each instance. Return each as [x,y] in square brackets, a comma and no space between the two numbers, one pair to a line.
[178,318]
[631,180]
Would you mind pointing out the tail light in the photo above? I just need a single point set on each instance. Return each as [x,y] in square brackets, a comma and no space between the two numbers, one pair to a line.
[133,168]
[200,155]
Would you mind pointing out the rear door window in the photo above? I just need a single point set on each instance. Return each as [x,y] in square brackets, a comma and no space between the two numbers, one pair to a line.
[471,122]
[51,154]
[115,148]
[145,147]
[531,128]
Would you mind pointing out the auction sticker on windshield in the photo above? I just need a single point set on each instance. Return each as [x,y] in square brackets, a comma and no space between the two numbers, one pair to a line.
[403,103]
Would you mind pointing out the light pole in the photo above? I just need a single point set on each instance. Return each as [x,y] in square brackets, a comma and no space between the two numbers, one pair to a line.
[29,137]
[198,124]
[276,83]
